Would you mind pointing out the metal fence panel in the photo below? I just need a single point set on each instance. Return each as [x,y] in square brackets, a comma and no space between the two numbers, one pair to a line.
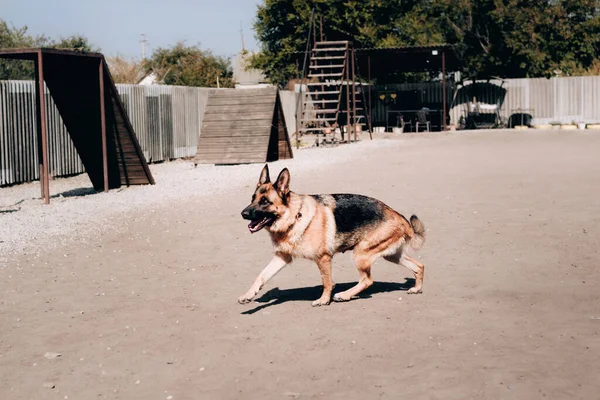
[564,99]
[166,120]
[289,101]
[18,136]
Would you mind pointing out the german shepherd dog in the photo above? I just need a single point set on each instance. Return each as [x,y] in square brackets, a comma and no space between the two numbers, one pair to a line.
[316,227]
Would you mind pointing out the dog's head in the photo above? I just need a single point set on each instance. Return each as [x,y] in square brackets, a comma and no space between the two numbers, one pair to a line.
[269,201]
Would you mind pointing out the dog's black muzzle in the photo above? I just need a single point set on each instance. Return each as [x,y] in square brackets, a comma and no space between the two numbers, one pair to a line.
[248,213]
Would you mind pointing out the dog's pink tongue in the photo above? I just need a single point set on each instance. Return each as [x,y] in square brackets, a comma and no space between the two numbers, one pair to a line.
[252,227]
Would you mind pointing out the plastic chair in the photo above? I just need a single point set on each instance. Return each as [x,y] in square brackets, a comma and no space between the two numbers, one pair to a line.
[423,119]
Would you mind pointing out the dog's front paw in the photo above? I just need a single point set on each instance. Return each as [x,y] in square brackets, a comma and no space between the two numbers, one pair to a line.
[339,297]
[247,298]
[323,301]
[414,290]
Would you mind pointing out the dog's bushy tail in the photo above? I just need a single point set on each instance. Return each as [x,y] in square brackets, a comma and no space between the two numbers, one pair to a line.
[418,239]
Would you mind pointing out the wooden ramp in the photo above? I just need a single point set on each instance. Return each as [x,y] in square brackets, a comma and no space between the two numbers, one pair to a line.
[243,126]
[91,109]
[75,90]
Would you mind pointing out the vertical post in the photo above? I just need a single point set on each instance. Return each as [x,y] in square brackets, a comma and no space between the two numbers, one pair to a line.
[103,124]
[554,98]
[298,114]
[314,29]
[354,122]
[38,126]
[42,126]
[347,78]
[444,88]
[369,83]
[321,26]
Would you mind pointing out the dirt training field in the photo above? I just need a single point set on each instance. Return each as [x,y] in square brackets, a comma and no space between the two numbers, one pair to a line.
[145,307]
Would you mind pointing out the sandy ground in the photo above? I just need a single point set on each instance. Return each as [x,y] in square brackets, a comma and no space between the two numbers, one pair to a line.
[145,308]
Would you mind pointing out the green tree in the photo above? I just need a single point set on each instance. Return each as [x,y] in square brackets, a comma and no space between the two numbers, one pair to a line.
[573,28]
[125,71]
[282,27]
[12,37]
[524,38]
[75,42]
[190,66]
[508,38]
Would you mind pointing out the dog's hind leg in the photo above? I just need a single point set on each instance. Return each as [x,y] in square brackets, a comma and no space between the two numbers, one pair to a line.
[276,265]
[324,264]
[363,262]
[416,267]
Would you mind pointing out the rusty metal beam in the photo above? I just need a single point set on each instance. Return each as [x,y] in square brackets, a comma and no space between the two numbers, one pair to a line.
[43,129]
[32,53]
[321,26]
[444,88]
[103,125]
[38,123]
[370,109]
[354,124]
[347,78]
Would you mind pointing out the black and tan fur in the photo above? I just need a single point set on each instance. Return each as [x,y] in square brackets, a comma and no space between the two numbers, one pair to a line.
[316,227]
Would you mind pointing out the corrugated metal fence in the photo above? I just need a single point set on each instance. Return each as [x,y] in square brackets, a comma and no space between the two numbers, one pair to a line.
[166,119]
[561,100]
[289,101]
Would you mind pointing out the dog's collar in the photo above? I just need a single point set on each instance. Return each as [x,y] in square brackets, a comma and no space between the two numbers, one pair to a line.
[299,215]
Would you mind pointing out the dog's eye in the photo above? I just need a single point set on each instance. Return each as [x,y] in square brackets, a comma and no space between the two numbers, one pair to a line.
[264,201]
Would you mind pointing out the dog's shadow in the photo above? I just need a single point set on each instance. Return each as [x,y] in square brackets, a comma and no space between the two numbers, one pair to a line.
[277,296]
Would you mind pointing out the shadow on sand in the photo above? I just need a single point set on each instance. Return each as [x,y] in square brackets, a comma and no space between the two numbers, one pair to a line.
[80,192]
[277,296]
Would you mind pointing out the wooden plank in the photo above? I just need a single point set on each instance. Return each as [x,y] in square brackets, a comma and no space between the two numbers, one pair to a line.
[234,147]
[227,158]
[233,144]
[134,182]
[231,160]
[256,155]
[242,92]
[329,58]
[220,125]
[140,174]
[231,147]
[241,116]
[137,169]
[332,42]
[331,49]
[240,101]
[248,129]
[246,108]
[311,75]
[233,133]
[263,96]
[236,139]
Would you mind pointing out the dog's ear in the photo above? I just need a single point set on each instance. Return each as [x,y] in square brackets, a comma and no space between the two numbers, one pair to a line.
[264,176]
[282,185]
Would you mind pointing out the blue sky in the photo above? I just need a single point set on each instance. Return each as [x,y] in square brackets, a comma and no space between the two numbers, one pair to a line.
[116,25]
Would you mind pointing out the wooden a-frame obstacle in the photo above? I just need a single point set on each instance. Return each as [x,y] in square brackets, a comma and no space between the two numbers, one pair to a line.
[91,109]
[243,126]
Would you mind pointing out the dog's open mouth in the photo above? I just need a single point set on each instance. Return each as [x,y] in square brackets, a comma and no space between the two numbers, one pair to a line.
[260,223]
